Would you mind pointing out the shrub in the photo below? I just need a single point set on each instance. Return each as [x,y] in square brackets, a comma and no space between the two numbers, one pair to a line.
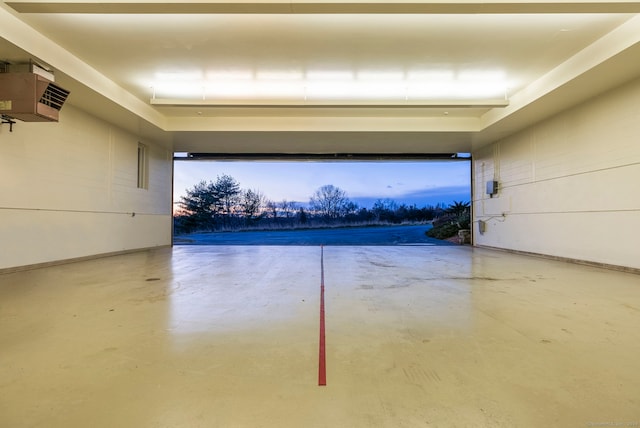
[464,220]
[443,231]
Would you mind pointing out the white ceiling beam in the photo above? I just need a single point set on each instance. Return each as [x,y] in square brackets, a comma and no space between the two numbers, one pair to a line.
[325,124]
[323,7]
[394,142]
[621,39]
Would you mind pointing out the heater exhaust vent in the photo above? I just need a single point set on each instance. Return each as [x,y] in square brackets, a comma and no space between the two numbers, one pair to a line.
[54,96]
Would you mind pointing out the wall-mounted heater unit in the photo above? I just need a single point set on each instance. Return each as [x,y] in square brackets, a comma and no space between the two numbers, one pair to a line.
[30,97]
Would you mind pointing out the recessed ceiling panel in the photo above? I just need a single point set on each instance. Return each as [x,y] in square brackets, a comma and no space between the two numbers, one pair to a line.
[134,50]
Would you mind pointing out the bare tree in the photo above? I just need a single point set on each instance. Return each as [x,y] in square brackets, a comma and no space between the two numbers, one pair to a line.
[329,201]
[289,208]
[384,209]
[272,208]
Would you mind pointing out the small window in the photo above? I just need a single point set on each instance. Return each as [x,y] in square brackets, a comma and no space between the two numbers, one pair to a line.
[143,167]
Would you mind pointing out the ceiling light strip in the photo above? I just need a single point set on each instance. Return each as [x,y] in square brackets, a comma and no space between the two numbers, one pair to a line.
[493,103]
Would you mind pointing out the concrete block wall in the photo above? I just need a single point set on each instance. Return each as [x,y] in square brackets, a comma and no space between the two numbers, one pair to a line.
[569,186]
[70,190]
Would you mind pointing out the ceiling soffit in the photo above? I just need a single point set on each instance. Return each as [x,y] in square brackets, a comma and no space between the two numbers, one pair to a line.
[450,123]
[324,7]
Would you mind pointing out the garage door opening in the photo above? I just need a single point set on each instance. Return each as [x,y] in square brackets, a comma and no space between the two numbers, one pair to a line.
[321,199]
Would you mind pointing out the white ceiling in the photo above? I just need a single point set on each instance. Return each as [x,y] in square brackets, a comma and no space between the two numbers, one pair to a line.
[111,62]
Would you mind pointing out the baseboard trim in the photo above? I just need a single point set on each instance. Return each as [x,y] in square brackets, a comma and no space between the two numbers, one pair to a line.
[565,259]
[23,268]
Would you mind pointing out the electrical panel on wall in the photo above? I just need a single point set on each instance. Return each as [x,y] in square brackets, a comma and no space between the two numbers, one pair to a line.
[492,188]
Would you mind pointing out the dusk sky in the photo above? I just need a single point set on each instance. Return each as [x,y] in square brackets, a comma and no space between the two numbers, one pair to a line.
[421,183]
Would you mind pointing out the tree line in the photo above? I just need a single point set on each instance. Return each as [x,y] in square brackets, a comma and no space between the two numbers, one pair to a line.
[223,205]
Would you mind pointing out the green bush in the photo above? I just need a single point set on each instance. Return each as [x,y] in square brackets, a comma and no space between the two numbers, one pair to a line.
[456,217]
[444,231]
[464,220]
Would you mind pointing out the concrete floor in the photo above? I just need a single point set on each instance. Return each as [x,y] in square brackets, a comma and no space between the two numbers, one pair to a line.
[228,337]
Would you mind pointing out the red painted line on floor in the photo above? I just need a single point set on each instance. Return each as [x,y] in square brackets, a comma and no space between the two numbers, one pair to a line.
[322,363]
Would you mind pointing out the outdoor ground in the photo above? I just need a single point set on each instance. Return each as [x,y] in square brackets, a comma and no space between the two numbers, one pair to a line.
[386,235]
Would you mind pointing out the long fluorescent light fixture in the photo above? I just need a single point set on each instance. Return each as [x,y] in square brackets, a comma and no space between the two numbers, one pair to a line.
[495,103]
[350,89]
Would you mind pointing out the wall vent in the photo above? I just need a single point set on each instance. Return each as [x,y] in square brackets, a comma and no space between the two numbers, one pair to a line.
[54,96]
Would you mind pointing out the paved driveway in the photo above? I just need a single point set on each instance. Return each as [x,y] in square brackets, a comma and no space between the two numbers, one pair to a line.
[388,235]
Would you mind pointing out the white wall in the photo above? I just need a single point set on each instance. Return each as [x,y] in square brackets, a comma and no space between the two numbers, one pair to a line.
[570,186]
[69,189]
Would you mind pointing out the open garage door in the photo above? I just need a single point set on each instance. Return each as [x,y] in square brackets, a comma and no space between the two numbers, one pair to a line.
[293,199]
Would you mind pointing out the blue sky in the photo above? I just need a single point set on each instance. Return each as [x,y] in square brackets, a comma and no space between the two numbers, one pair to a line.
[421,183]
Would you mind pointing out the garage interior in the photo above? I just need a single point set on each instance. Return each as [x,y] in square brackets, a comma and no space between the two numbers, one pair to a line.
[532,325]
